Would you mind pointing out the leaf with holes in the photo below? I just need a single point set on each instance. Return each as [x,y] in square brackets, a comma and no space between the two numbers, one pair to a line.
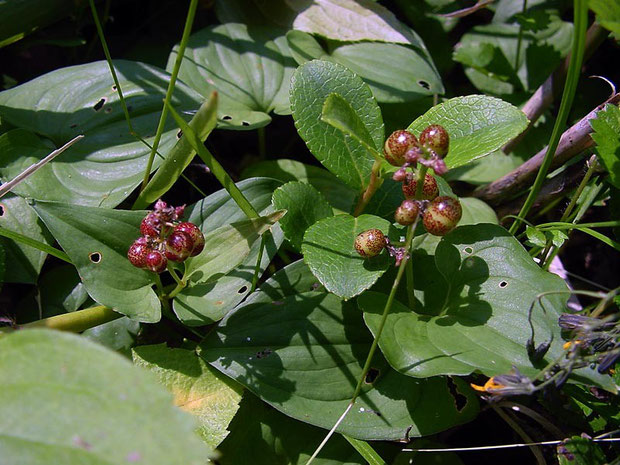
[103,168]
[249,66]
[112,412]
[197,388]
[328,249]
[312,83]
[491,283]
[97,240]
[304,206]
[303,355]
[278,439]
[26,262]
[340,196]
[477,125]
[205,303]
[414,78]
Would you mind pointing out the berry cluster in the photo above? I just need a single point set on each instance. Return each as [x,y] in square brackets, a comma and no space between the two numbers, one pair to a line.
[165,238]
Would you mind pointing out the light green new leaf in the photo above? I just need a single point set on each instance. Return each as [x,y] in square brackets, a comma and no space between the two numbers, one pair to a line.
[491,283]
[606,135]
[304,206]
[97,241]
[329,251]
[312,83]
[477,125]
[303,355]
[180,156]
[535,236]
[26,262]
[66,400]
[249,66]
[196,387]
[103,168]
[607,14]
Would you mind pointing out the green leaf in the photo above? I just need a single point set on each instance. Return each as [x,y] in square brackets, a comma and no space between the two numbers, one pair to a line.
[477,125]
[606,129]
[97,240]
[278,439]
[535,236]
[557,237]
[205,303]
[119,334]
[414,78]
[607,15]
[196,387]
[104,410]
[26,262]
[490,284]
[103,168]
[2,265]
[180,156]
[340,196]
[304,206]
[580,451]
[328,249]
[303,355]
[312,83]
[250,68]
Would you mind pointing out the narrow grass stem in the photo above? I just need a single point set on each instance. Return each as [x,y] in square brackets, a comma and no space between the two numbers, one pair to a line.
[520,39]
[43,247]
[578,47]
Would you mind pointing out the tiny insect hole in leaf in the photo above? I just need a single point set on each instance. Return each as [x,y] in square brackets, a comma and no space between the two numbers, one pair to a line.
[371,376]
[108,110]
[424,84]
[94,257]
[503,284]
[99,105]
[244,123]
[242,289]
[226,117]
[468,250]
[179,134]
[114,87]
[2,210]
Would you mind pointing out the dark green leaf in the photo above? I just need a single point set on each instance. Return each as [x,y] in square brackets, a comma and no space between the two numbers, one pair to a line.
[606,135]
[607,14]
[111,412]
[580,451]
[119,334]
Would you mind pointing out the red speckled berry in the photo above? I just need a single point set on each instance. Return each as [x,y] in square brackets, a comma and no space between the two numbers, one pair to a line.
[179,246]
[407,212]
[442,215]
[430,190]
[397,145]
[151,225]
[370,243]
[138,251]
[435,138]
[156,261]
[194,232]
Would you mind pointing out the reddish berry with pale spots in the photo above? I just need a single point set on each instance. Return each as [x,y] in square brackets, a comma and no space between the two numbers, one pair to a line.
[138,251]
[370,243]
[435,138]
[442,215]
[179,246]
[194,232]
[397,145]
[151,225]
[430,189]
[156,261]
[407,212]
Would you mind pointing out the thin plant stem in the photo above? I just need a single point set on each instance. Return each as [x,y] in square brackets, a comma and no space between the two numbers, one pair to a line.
[580,26]
[43,247]
[175,276]
[520,39]
[189,20]
[75,322]
[517,429]
[373,185]
[365,450]
[255,277]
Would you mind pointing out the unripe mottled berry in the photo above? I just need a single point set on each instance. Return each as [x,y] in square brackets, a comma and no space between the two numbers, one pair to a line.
[138,251]
[435,138]
[370,243]
[179,246]
[156,261]
[442,215]
[407,212]
[195,233]
[400,175]
[397,145]
[430,190]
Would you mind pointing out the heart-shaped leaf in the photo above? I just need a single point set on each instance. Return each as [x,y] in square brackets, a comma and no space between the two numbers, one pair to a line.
[304,206]
[477,125]
[304,353]
[26,262]
[329,251]
[197,388]
[491,282]
[103,168]
[415,76]
[249,66]
[112,412]
[312,83]
[97,240]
